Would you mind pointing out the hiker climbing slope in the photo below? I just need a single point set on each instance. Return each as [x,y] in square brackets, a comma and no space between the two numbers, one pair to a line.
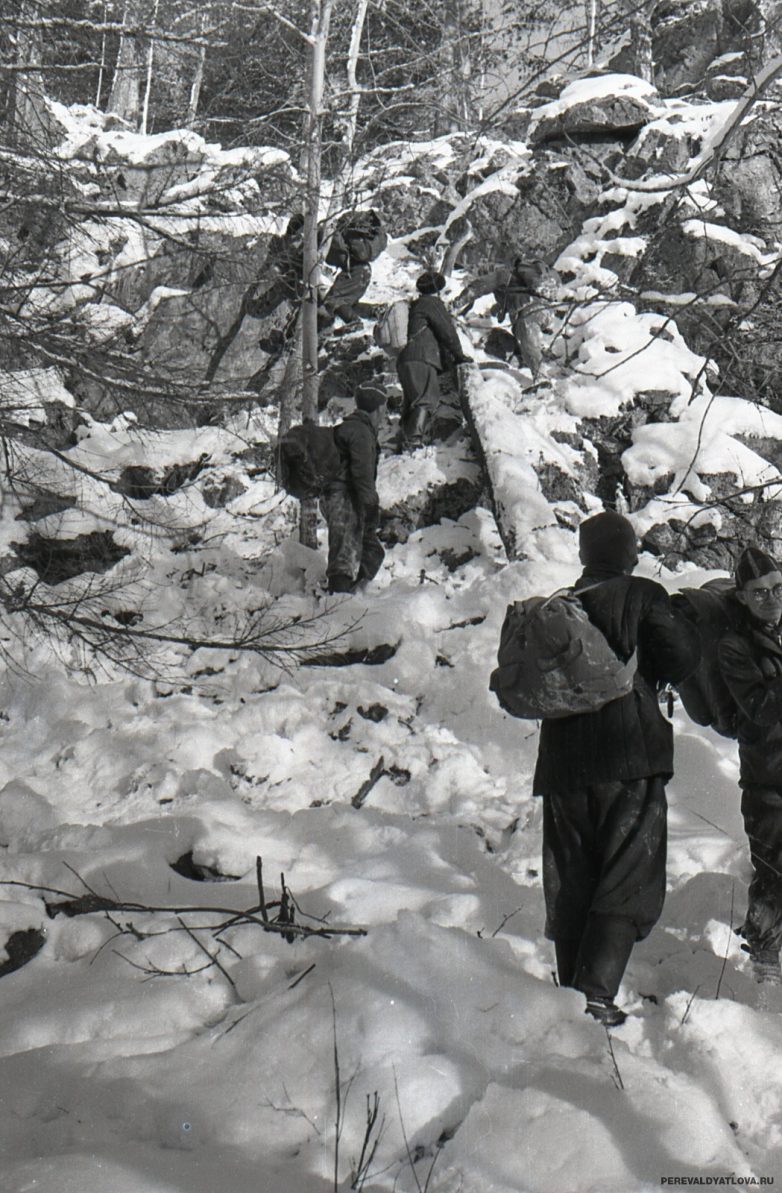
[350,502]
[750,659]
[358,239]
[525,292]
[432,346]
[602,776]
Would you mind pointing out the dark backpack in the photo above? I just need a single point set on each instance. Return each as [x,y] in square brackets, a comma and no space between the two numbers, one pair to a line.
[307,460]
[360,237]
[337,256]
[553,662]
[705,695]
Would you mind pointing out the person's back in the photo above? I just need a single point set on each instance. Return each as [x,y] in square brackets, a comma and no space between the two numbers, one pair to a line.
[602,777]
[750,660]
[432,346]
[350,503]
[628,738]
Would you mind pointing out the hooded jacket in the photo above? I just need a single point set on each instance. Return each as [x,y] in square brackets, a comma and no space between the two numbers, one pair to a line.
[628,738]
[750,660]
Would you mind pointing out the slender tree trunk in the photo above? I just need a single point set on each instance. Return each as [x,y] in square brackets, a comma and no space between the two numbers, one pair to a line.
[102,67]
[339,195]
[195,88]
[125,97]
[639,21]
[591,20]
[320,17]
[29,116]
[148,84]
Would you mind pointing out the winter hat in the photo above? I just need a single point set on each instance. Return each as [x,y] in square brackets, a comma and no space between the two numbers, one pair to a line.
[754,563]
[607,542]
[369,396]
[430,282]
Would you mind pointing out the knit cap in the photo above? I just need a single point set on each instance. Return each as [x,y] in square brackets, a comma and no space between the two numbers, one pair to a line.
[754,563]
[430,282]
[607,542]
[369,396]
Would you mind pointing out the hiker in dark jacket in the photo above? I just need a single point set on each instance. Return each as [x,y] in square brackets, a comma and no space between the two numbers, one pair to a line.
[350,503]
[432,346]
[283,268]
[352,251]
[602,776]
[524,292]
[750,660]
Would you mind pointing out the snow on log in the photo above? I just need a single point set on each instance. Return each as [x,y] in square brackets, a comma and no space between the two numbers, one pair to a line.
[501,438]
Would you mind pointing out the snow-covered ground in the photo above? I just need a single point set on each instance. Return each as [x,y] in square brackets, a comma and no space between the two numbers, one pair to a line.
[172,1043]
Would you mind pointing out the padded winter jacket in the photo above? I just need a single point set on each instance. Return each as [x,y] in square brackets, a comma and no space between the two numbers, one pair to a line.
[628,738]
[431,335]
[751,664]
[356,439]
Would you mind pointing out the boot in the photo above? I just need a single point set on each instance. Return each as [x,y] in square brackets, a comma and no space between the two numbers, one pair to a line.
[340,582]
[415,426]
[605,1011]
[602,958]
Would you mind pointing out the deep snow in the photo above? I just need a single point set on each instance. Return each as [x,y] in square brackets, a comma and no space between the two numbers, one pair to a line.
[130,1063]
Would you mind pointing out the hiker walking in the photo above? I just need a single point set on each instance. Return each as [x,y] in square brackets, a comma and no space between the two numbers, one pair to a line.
[750,660]
[357,240]
[432,347]
[525,293]
[602,776]
[349,502]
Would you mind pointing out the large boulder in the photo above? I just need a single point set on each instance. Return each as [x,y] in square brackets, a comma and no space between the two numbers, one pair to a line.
[748,181]
[606,104]
[536,210]
[686,37]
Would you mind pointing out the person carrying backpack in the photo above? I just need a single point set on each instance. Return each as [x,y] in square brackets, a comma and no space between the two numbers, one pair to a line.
[750,660]
[349,502]
[356,242]
[602,777]
[432,346]
[524,292]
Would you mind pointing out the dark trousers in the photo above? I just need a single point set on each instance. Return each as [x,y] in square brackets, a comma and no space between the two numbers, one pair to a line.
[761,808]
[349,286]
[355,551]
[604,852]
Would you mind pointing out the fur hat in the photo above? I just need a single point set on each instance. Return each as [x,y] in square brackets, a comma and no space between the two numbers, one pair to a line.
[430,282]
[369,396]
[608,542]
[754,563]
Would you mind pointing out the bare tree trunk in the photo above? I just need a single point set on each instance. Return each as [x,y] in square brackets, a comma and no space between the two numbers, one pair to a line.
[639,22]
[320,17]
[102,68]
[125,97]
[29,116]
[591,21]
[455,99]
[148,84]
[195,86]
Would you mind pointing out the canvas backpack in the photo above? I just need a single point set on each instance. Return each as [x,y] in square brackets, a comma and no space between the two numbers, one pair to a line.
[705,695]
[390,330]
[553,662]
[307,460]
[359,238]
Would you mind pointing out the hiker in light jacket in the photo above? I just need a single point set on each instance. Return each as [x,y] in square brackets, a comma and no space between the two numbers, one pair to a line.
[350,504]
[432,346]
[750,660]
[524,292]
[602,776]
